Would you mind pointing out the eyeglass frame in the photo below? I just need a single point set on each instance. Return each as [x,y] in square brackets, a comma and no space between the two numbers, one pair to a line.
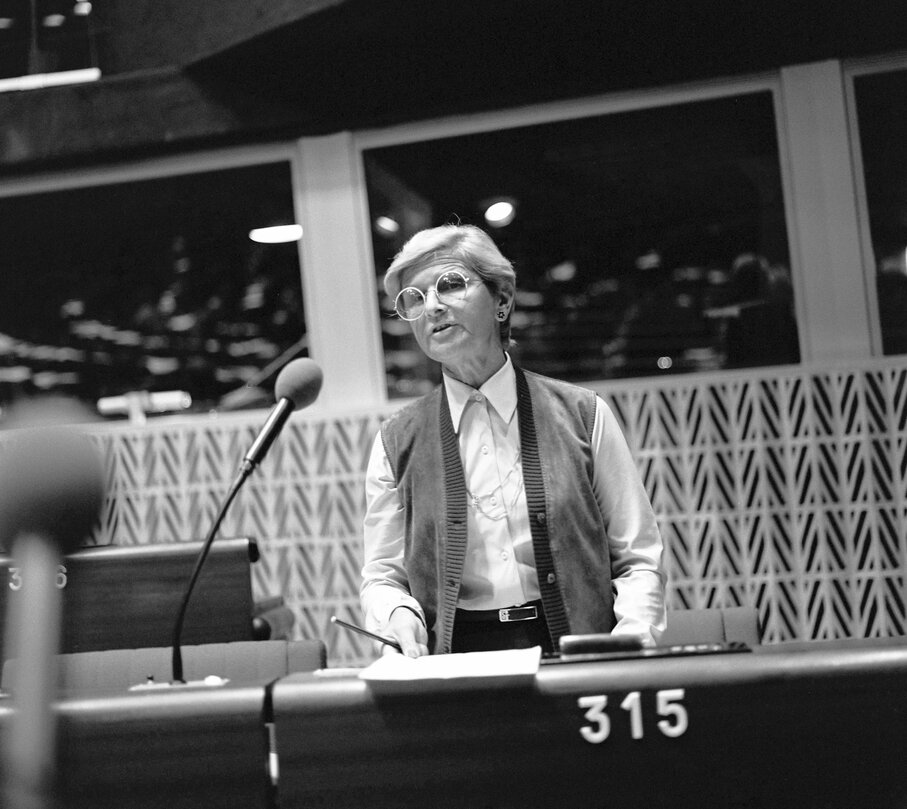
[463,275]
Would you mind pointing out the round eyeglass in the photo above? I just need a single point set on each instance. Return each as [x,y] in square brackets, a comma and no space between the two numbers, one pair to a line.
[450,287]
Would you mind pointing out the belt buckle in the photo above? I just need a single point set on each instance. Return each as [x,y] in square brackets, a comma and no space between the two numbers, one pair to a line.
[510,614]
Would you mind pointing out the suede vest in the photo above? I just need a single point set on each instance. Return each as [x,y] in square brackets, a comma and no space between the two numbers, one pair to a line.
[569,536]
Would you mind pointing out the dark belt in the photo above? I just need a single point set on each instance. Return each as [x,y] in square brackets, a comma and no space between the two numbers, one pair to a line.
[505,615]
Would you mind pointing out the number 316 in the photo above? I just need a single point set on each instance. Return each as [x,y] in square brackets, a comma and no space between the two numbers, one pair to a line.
[667,705]
[16,581]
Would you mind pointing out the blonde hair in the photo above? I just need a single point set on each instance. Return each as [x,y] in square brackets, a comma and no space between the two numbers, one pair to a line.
[467,245]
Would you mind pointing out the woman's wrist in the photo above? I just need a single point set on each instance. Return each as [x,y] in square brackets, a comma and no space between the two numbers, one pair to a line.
[413,610]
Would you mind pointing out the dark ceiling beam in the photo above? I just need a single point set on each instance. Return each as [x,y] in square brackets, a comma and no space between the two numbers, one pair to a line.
[138,115]
[381,62]
[145,103]
[145,34]
[185,75]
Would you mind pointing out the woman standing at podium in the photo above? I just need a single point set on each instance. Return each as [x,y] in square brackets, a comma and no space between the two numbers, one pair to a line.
[504,509]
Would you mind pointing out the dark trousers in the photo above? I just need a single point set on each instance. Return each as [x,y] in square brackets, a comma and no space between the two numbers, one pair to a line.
[492,635]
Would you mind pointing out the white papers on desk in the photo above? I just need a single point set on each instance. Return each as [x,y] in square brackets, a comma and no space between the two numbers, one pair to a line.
[508,664]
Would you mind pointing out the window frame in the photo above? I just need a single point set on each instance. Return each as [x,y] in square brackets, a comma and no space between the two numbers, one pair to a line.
[824,198]
[824,226]
[852,70]
[158,168]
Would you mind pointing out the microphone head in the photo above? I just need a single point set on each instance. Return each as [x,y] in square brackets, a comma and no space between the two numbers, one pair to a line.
[299,381]
[52,481]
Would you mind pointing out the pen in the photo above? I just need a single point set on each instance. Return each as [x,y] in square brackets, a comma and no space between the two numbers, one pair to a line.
[372,635]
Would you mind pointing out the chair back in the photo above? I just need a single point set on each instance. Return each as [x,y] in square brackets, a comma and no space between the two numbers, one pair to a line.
[714,625]
[128,596]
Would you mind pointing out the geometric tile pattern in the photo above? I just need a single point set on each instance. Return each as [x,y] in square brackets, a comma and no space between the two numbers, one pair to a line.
[785,489]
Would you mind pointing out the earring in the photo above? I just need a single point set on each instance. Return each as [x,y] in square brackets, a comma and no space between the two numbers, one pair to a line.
[502,315]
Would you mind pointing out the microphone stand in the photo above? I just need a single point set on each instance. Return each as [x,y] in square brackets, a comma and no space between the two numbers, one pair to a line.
[177,664]
[297,383]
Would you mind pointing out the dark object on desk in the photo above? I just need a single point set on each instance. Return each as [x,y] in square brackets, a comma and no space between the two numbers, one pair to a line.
[125,597]
[699,631]
[629,653]
[595,644]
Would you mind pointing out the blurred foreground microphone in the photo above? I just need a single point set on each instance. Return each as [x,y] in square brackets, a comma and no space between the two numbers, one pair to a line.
[297,386]
[51,492]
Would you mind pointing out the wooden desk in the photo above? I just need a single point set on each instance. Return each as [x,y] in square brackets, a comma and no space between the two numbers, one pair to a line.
[812,726]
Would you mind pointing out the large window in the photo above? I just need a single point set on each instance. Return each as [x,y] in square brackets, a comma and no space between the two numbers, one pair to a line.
[150,286]
[645,242]
[883,144]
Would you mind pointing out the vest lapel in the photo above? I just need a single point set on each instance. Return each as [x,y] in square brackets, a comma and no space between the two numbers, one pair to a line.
[555,613]
[455,544]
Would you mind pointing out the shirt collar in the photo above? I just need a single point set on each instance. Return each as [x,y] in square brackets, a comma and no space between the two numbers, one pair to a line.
[499,390]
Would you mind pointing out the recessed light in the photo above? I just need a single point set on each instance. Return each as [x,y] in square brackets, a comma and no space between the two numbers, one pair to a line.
[387,226]
[500,213]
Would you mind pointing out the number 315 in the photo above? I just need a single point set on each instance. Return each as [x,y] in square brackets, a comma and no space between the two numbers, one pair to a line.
[667,704]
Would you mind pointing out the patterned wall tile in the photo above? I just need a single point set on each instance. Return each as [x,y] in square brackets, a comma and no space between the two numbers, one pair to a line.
[786,490]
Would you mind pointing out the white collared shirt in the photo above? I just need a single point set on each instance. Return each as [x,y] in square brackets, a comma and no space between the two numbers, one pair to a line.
[499,570]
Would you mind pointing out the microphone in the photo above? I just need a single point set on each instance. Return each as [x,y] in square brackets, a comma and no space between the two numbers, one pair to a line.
[51,493]
[297,386]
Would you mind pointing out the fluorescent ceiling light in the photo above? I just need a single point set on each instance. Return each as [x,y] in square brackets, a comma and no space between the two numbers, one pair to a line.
[38,81]
[276,234]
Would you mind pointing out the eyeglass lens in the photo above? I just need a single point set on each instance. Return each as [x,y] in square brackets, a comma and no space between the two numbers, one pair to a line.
[450,287]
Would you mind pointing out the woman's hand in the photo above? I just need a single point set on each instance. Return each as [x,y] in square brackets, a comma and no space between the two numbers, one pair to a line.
[405,627]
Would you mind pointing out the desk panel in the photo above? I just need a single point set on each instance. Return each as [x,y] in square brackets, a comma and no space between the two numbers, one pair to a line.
[775,728]
[186,748]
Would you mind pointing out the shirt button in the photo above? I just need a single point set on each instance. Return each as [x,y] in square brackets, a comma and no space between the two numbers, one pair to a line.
[504,555]
[551,578]
[494,501]
[485,450]
[478,397]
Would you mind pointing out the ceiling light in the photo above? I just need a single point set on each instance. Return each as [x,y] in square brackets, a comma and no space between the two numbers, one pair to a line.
[387,226]
[500,213]
[565,271]
[35,81]
[276,234]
